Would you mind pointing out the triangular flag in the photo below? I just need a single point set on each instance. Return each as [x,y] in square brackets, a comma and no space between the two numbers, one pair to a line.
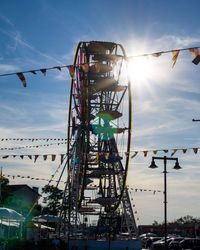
[145,153]
[44,157]
[195,150]
[166,150]
[155,152]
[194,51]
[184,150]
[57,67]
[175,54]
[22,78]
[36,156]
[22,157]
[174,152]
[71,69]
[53,157]
[33,72]
[196,60]
[44,71]
[135,153]
[30,157]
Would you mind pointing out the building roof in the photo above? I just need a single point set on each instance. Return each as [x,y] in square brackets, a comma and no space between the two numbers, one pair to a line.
[13,188]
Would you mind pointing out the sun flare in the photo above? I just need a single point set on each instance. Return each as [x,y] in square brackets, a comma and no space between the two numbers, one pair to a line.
[140,70]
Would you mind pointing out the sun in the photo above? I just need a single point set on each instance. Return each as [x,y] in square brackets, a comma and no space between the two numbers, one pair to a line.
[140,70]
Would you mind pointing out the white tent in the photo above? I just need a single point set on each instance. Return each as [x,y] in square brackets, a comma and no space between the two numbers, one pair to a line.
[10,214]
[11,219]
[46,218]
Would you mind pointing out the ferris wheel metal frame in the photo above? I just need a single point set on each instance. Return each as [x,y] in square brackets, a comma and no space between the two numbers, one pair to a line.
[99,134]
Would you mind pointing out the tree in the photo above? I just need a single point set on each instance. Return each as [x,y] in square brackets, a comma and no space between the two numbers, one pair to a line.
[4,192]
[53,199]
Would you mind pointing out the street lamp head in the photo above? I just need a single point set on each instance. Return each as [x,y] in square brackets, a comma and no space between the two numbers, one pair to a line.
[153,165]
[177,166]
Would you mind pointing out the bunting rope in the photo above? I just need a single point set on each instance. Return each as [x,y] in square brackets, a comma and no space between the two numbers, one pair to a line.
[90,185]
[33,139]
[36,156]
[85,67]
[132,153]
[35,146]
[155,151]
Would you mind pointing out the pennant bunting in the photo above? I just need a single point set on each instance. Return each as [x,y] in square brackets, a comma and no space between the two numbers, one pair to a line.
[195,150]
[196,60]
[36,156]
[175,54]
[184,150]
[45,157]
[71,69]
[145,153]
[53,157]
[33,72]
[57,67]
[132,156]
[44,71]
[174,152]
[22,78]
[196,54]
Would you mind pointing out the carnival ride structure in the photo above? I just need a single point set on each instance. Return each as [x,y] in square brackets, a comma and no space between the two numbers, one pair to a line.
[99,138]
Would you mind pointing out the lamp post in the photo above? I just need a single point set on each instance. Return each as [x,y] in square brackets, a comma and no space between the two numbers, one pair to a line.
[177,167]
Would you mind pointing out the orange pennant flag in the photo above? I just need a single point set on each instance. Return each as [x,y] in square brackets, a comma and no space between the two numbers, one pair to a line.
[175,54]
[71,69]
[145,153]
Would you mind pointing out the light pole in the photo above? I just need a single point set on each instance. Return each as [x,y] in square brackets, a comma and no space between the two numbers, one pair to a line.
[177,167]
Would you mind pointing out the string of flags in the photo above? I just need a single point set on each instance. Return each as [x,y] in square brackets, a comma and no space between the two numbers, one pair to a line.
[33,139]
[85,67]
[36,156]
[106,154]
[28,177]
[142,190]
[90,185]
[35,146]
[155,151]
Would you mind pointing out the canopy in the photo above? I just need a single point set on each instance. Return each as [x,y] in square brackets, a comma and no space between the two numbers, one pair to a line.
[46,218]
[10,214]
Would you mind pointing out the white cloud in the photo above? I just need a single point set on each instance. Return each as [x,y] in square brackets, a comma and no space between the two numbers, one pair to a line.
[8,68]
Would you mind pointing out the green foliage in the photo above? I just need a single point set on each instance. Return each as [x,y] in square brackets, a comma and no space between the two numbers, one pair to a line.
[4,189]
[53,199]
[185,220]
[19,204]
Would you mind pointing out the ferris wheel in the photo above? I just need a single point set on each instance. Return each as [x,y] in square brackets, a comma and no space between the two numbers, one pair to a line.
[99,134]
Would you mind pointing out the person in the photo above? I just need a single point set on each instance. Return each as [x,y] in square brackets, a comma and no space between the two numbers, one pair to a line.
[56,243]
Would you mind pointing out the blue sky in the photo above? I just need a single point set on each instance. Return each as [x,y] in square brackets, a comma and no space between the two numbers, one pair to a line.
[37,34]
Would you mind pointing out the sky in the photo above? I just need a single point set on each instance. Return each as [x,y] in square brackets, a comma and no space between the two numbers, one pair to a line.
[40,34]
